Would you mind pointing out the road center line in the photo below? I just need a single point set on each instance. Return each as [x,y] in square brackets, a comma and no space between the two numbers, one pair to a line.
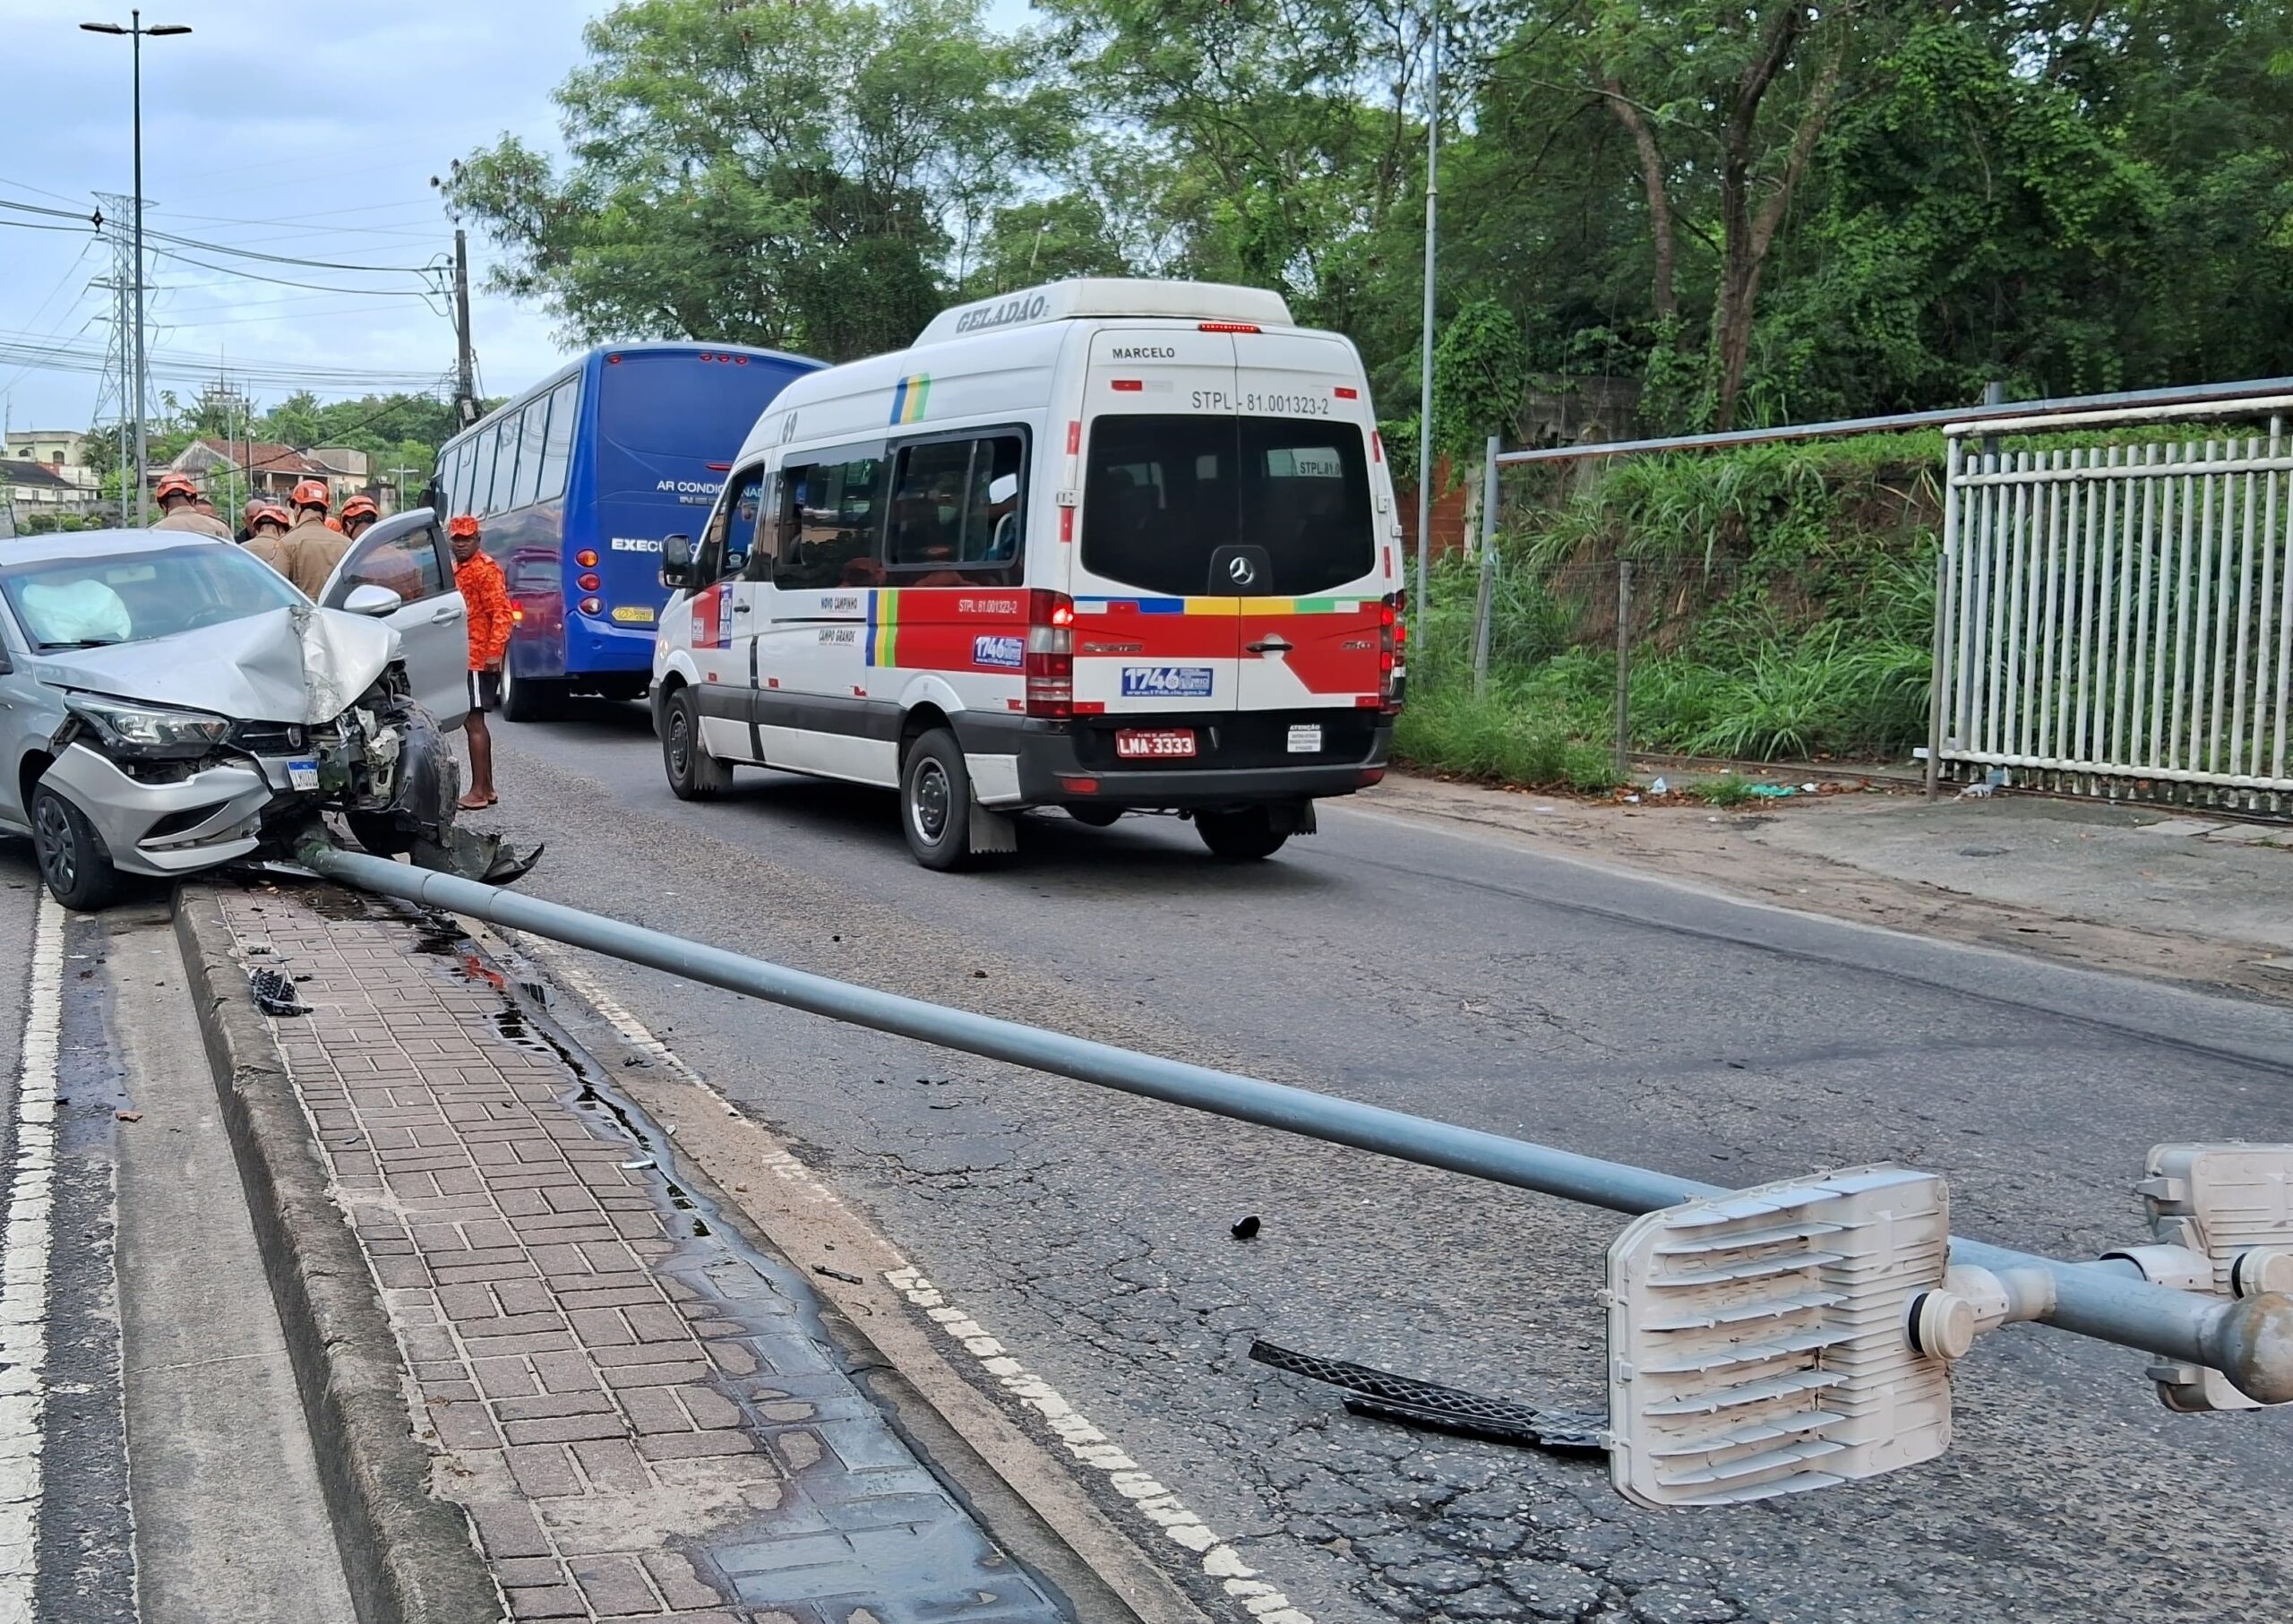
[24,1268]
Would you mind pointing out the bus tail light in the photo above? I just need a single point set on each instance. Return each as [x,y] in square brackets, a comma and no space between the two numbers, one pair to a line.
[1050,655]
[590,605]
[587,558]
[589,583]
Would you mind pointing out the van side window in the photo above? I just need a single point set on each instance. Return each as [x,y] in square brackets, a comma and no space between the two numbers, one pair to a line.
[770,536]
[955,511]
[723,547]
[830,515]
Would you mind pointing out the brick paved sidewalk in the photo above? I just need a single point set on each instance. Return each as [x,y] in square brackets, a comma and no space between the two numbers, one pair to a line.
[638,1411]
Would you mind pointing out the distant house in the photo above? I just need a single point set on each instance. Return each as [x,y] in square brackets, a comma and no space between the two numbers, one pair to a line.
[31,487]
[56,447]
[60,451]
[272,471]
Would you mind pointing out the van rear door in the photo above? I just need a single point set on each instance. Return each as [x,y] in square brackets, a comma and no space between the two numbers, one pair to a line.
[1154,633]
[1311,489]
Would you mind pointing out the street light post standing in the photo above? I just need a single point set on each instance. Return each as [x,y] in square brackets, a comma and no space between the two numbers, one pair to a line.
[135,32]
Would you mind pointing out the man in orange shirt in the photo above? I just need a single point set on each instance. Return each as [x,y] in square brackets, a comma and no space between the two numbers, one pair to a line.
[486,594]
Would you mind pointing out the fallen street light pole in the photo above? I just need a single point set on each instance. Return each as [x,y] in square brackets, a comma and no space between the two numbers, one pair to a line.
[2247,1338]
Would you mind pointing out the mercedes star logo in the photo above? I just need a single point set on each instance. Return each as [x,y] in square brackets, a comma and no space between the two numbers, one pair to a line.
[1241,571]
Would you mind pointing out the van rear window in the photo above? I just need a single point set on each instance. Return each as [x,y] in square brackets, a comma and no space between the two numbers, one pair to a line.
[1161,494]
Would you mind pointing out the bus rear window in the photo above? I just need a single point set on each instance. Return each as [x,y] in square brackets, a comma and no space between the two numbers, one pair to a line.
[686,403]
[1161,494]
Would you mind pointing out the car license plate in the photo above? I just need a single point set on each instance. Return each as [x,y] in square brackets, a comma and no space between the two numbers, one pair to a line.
[1137,743]
[303,775]
[1306,740]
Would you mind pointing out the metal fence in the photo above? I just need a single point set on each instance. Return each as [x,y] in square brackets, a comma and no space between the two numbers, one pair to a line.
[2119,619]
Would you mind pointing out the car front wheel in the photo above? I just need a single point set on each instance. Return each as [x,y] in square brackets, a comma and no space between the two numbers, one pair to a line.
[71,857]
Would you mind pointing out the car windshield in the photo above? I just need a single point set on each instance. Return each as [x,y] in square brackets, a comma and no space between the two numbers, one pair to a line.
[132,597]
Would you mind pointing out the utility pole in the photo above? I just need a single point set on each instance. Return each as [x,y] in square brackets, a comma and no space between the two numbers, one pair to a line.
[135,30]
[1425,385]
[397,485]
[465,368]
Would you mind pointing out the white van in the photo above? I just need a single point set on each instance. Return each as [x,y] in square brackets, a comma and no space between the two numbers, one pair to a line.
[1107,545]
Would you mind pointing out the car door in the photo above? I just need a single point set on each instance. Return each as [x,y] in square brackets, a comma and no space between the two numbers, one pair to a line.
[408,553]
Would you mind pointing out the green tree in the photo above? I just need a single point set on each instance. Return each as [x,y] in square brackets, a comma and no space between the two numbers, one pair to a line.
[815,173]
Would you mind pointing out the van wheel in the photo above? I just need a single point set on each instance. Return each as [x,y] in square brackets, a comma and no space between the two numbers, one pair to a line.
[935,801]
[526,699]
[694,775]
[1097,817]
[1246,836]
[71,857]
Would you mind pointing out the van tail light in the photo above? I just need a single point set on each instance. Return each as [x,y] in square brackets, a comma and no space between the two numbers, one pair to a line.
[1392,634]
[1050,655]
[1227,326]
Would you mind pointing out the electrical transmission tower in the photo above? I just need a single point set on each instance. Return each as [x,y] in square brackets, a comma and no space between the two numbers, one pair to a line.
[116,399]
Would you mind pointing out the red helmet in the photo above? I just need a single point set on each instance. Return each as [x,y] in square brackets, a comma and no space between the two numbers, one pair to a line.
[461,524]
[312,494]
[268,514]
[360,507]
[173,485]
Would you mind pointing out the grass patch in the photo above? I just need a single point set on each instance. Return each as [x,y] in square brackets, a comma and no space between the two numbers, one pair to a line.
[1499,739]
[1723,792]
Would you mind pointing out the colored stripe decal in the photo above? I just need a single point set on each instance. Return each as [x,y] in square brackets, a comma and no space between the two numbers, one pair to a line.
[909,397]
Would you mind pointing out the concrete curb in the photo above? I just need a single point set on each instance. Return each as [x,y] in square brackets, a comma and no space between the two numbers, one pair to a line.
[408,1555]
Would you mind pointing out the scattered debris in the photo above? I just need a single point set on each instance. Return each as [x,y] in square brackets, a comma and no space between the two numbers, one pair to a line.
[638,1165]
[274,994]
[128,1116]
[837,1273]
[1381,1396]
[1246,1229]
[1992,782]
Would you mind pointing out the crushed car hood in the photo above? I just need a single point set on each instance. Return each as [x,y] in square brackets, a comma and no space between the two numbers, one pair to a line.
[298,664]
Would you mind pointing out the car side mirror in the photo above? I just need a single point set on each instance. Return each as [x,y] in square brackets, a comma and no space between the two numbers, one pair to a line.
[676,562]
[371,599]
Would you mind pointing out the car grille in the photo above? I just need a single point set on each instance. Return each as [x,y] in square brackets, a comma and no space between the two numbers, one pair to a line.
[270,738]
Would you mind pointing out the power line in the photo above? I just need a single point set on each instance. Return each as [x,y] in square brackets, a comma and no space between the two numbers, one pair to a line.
[278,281]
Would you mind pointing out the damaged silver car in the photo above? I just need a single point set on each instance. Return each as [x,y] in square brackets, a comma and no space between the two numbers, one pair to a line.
[168,704]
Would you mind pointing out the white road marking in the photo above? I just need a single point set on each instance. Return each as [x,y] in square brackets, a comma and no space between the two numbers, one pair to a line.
[1258,1602]
[23,1271]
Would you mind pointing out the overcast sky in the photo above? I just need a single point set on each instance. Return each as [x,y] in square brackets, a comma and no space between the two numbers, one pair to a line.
[307,129]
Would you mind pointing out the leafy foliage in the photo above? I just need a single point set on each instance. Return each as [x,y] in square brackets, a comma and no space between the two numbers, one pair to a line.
[1761,211]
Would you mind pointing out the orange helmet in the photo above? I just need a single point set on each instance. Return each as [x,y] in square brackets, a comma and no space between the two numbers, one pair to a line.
[312,494]
[334,524]
[360,507]
[461,524]
[272,515]
[173,485]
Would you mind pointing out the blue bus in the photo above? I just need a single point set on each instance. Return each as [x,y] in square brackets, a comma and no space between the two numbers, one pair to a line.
[577,480]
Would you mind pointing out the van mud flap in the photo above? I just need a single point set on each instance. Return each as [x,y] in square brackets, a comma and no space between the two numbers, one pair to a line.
[992,834]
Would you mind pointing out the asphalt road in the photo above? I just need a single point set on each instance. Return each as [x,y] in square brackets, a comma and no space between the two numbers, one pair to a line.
[1479,982]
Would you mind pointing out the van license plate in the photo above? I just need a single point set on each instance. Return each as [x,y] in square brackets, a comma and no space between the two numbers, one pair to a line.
[1140,743]
[1306,739]
[303,775]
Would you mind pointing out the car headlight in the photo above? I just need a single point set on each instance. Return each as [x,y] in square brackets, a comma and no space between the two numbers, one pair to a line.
[150,731]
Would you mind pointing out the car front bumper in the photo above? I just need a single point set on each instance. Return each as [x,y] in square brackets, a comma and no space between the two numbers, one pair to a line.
[215,814]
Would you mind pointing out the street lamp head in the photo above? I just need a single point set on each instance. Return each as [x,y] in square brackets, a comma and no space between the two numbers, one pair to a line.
[103,28]
[169,28]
